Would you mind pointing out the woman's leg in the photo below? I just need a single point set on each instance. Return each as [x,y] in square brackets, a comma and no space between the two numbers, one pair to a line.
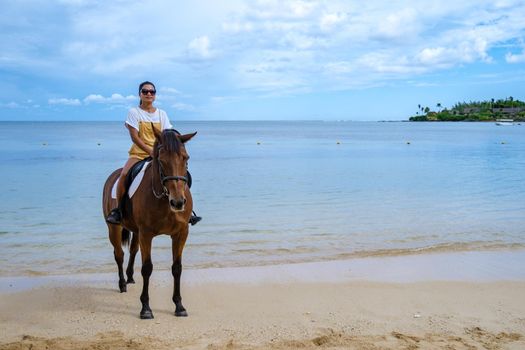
[115,216]
[121,187]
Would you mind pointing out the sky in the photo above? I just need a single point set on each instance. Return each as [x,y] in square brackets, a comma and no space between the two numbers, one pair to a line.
[257,60]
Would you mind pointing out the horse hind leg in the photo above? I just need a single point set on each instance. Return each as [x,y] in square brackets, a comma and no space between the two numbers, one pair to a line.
[133,249]
[115,237]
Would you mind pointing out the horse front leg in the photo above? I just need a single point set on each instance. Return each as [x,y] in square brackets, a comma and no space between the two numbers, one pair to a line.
[147,268]
[177,245]
[133,249]
[116,240]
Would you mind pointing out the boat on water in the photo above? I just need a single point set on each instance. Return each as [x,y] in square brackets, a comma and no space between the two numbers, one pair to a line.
[504,121]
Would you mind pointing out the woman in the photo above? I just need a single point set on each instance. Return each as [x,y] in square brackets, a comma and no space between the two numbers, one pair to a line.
[140,123]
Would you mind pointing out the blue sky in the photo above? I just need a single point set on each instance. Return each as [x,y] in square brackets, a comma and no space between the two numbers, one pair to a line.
[257,60]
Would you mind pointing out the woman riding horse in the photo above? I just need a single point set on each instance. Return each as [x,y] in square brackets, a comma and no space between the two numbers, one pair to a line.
[140,123]
[162,204]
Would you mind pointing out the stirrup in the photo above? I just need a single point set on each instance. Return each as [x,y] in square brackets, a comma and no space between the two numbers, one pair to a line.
[114,217]
[194,219]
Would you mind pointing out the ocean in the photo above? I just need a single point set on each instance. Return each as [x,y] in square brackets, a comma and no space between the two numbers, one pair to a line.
[270,192]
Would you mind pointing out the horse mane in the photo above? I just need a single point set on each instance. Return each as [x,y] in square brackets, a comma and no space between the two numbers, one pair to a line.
[170,141]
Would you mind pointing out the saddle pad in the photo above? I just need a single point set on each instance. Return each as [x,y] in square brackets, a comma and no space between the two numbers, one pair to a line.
[134,185]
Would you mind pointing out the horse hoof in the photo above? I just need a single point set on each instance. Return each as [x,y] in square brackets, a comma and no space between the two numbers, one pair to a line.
[146,315]
[130,281]
[122,287]
[182,313]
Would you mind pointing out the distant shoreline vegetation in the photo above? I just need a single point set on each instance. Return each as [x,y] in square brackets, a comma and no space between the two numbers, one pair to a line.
[482,111]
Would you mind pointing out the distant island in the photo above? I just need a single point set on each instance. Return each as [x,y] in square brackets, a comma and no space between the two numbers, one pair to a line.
[482,111]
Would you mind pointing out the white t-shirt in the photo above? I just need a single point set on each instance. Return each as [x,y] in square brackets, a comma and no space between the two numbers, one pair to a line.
[144,123]
[137,115]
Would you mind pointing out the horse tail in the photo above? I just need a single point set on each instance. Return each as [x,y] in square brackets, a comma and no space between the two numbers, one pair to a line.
[125,237]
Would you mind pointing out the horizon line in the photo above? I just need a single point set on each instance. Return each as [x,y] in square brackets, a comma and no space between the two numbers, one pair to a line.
[207,120]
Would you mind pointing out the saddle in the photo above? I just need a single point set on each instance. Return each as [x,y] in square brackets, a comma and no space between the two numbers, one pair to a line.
[134,171]
[130,186]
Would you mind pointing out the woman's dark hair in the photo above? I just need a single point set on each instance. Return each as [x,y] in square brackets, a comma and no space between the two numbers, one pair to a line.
[142,85]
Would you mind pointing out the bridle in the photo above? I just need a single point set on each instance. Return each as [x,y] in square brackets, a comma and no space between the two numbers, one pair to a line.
[165,192]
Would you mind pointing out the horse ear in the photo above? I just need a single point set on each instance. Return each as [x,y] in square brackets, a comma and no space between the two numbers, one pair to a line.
[185,138]
[156,133]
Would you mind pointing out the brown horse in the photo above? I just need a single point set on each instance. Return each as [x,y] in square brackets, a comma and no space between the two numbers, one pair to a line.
[162,204]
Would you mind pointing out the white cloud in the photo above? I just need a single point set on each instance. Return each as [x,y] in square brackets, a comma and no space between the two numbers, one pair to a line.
[330,21]
[22,105]
[515,58]
[398,25]
[340,67]
[169,90]
[94,99]
[272,9]
[113,99]
[431,55]
[11,104]
[299,41]
[384,62]
[237,27]
[200,47]
[64,101]
[302,8]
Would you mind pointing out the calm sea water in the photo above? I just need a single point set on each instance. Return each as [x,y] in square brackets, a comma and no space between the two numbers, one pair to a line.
[270,192]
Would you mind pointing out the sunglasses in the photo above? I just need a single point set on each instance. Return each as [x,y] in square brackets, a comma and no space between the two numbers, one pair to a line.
[145,92]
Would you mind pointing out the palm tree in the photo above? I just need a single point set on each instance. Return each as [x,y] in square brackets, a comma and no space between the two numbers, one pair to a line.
[439,106]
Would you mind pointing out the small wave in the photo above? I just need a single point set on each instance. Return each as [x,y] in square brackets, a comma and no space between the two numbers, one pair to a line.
[250,242]
[414,239]
[439,248]
[40,224]
[250,251]
[35,273]
[253,231]
[201,245]
[277,251]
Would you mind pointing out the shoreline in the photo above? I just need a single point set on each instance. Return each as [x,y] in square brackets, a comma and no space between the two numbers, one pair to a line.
[109,265]
[476,266]
[459,300]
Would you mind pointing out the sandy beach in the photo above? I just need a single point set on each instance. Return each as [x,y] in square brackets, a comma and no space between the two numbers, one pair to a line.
[380,303]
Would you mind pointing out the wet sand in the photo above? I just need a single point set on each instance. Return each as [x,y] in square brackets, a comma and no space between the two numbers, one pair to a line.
[424,302]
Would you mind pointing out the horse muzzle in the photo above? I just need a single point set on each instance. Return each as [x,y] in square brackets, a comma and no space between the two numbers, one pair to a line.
[177,204]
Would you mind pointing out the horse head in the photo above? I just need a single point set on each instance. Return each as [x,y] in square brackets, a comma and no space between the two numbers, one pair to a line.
[171,160]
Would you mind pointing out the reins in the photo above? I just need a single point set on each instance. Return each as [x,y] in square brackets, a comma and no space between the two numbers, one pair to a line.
[165,192]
